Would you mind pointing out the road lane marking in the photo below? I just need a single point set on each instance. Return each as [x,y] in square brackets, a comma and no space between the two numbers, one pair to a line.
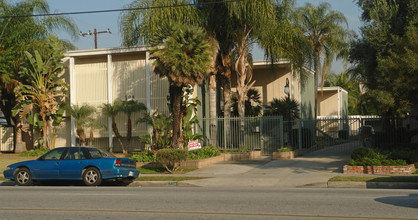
[202,213]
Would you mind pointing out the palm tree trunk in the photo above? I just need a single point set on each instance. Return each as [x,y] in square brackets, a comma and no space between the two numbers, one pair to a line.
[129,133]
[212,91]
[316,67]
[117,134]
[82,136]
[176,93]
[91,137]
[226,86]
[18,138]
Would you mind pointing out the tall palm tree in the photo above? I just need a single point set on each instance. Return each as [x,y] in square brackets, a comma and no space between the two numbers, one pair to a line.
[112,110]
[129,107]
[327,33]
[182,54]
[82,115]
[249,20]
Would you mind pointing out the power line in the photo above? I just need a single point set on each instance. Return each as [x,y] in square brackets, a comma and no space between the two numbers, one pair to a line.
[122,9]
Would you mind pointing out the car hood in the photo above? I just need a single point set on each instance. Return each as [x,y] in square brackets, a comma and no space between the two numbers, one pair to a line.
[26,163]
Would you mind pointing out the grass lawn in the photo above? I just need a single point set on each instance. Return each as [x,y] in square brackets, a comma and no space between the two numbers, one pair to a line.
[6,161]
[162,170]
[375,179]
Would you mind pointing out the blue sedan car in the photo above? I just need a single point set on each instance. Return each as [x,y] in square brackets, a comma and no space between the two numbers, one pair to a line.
[73,163]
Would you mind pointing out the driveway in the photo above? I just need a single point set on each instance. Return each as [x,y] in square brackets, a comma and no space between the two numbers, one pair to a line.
[310,170]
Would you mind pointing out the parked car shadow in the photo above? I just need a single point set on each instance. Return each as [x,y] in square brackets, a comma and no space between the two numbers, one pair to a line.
[69,183]
[409,201]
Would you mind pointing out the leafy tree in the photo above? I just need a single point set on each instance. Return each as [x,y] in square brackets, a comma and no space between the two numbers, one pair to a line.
[82,115]
[161,130]
[129,107]
[385,55]
[181,54]
[43,90]
[19,34]
[327,33]
[112,110]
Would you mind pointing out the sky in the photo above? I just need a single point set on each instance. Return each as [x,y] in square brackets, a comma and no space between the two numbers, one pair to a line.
[103,21]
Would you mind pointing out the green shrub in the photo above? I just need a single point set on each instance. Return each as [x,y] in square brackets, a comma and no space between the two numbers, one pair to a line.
[144,156]
[369,157]
[363,152]
[206,152]
[171,158]
[34,152]
[285,149]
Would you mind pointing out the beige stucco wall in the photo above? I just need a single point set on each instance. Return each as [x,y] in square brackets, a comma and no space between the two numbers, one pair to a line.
[270,82]
[328,103]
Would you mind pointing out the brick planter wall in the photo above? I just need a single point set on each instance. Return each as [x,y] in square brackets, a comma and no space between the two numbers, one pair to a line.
[285,155]
[241,156]
[379,169]
[208,161]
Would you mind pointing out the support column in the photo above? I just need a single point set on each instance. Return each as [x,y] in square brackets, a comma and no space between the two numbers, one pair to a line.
[110,96]
[72,99]
[148,90]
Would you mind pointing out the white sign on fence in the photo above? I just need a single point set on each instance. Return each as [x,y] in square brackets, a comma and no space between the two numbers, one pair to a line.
[194,145]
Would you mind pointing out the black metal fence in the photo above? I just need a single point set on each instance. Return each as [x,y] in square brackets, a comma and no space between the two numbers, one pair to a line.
[268,134]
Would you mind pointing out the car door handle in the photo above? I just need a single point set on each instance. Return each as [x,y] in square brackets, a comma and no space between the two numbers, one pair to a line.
[58,163]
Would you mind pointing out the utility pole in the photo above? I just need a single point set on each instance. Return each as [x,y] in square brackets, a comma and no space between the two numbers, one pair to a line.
[95,35]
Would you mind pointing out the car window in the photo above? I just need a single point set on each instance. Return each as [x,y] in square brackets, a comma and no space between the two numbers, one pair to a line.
[72,154]
[106,154]
[94,153]
[54,154]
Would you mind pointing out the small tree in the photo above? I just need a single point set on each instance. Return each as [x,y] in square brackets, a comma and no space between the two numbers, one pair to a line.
[129,107]
[161,130]
[252,104]
[82,115]
[112,110]
[288,108]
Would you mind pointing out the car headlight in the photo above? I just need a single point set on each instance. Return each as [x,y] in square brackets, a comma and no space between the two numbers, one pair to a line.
[9,168]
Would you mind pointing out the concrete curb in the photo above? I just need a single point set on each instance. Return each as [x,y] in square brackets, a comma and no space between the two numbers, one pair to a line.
[372,185]
[329,184]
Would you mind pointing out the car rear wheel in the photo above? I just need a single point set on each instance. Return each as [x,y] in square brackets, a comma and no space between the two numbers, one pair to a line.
[92,177]
[23,177]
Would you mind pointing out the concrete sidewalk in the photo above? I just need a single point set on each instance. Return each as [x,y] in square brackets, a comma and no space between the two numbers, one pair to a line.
[311,170]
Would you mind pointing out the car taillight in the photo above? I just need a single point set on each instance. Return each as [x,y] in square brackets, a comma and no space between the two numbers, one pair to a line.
[118,163]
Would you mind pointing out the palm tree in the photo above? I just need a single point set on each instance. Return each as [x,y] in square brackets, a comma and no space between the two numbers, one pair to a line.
[43,91]
[286,107]
[252,103]
[82,115]
[182,54]
[111,111]
[249,20]
[327,33]
[129,107]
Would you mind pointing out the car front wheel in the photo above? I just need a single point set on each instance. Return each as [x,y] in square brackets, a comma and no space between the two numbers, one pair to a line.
[92,177]
[23,177]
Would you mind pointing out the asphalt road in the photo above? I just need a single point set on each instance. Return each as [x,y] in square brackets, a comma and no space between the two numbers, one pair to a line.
[75,202]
